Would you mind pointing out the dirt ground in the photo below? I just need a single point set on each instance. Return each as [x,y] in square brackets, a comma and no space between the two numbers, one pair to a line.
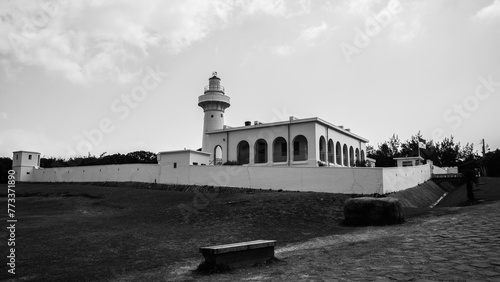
[376,253]
[71,232]
[91,233]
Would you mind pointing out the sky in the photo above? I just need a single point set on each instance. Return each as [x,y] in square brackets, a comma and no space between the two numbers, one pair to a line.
[94,77]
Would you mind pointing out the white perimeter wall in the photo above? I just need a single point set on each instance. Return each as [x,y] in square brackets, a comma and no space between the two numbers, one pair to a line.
[400,178]
[99,173]
[324,179]
[318,179]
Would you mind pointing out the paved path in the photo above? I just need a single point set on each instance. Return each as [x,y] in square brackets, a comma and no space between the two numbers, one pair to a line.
[461,245]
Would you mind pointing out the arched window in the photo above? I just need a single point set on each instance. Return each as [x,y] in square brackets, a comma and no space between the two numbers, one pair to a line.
[218,155]
[363,156]
[346,155]
[330,151]
[300,148]
[260,151]
[280,150]
[338,153]
[357,157]
[243,152]
[351,156]
[322,147]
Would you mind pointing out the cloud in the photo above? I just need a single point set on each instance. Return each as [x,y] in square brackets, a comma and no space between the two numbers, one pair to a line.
[282,50]
[309,35]
[363,8]
[91,41]
[406,23]
[19,139]
[404,32]
[4,115]
[298,8]
[99,47]
[10,70]
[271,7]
[489,13]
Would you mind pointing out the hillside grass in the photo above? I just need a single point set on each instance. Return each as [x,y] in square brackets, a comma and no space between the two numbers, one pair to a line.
[80,232]
[75,232]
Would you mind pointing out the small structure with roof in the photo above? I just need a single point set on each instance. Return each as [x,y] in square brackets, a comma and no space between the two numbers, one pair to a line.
[23,163]
[183,158]
[409,161]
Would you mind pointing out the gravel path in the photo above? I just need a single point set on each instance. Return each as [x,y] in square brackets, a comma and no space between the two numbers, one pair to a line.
[458,244]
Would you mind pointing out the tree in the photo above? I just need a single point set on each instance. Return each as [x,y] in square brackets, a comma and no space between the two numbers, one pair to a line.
[467,154]
[360,163]
[410,147]
[446,153]
[431,151]
[370,151]
[103,159]
[449,153]
[5,166]
[143,157]
[386,152]
[52,162]
[394,145]
[491,163]
[383,156]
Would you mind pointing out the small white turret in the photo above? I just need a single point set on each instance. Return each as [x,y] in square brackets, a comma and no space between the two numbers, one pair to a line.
[24,164]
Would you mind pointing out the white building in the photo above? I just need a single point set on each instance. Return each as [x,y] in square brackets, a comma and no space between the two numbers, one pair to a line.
[281,155]
[23,163]
[183,158]
[409,161]
[278,155]
[295,142]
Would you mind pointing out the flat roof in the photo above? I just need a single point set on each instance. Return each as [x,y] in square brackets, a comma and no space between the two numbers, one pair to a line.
[304,120]
[409,158]
[25,152]
[184,151]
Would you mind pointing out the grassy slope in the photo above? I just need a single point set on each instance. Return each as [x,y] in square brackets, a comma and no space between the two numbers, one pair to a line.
[80,232]
[486,190]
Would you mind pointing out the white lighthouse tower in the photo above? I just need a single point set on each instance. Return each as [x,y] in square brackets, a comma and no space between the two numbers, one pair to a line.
[214,102]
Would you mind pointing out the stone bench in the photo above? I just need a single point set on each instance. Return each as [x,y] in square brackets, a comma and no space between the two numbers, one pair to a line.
[239,254]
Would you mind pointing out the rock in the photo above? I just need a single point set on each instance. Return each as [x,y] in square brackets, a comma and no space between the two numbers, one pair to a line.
[372,211]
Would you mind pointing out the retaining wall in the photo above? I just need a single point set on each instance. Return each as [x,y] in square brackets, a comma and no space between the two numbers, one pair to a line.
[400,178]
[99,173]
[318,179]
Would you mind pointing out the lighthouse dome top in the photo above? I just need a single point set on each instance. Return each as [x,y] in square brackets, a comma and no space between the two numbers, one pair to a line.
[214,75]
[214,84]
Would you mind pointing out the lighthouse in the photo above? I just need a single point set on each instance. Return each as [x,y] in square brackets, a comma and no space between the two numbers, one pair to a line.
[214,102]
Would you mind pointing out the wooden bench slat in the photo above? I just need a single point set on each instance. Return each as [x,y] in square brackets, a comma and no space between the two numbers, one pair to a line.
[237,247]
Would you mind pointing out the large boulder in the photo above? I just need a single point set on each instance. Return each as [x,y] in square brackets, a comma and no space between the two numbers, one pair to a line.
[372,211]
